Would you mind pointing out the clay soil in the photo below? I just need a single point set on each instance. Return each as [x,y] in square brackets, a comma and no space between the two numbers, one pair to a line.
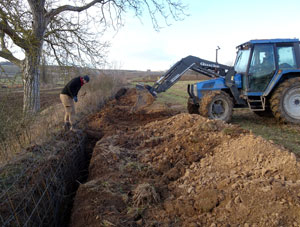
[160,167]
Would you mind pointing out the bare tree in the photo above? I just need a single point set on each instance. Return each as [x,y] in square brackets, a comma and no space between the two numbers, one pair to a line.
[67,31]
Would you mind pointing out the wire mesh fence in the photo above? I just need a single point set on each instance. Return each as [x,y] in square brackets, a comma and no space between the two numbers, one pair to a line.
[36,189]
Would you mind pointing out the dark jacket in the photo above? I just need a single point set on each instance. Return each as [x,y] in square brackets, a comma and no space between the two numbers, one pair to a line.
[72,88]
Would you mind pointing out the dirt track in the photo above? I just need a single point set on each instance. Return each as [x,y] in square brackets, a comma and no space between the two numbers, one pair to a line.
[162,168]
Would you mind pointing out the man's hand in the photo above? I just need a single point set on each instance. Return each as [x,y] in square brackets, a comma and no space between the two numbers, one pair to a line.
[75,99]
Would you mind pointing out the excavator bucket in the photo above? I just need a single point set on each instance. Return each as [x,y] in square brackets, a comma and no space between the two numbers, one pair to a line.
[144,97]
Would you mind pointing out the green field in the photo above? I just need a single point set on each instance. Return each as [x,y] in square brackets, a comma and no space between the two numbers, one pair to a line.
[286,135]
[176,95]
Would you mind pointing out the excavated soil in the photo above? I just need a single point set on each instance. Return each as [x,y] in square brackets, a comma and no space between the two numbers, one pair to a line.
[162,168]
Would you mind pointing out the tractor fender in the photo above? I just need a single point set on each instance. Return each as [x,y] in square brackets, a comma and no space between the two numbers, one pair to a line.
[279,77]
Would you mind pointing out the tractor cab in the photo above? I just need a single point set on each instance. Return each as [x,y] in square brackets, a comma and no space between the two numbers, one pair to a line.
[259,61]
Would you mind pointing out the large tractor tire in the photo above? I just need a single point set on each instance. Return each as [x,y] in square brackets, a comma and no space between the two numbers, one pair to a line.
[216,105]
[191,107]
[285,101]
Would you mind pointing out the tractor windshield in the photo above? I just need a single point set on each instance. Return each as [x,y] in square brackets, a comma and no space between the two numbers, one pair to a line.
[241,61]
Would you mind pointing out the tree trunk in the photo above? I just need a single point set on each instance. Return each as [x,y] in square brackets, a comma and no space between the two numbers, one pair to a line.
[31,83]
[31,67]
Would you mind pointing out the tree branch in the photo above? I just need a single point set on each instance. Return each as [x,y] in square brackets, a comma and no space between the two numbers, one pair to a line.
[6,29]
[9,56]
[2,41]
[16,39]
[5,53]
[63,8]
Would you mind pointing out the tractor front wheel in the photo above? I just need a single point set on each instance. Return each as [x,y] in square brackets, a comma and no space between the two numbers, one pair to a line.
[285,101]
[216,105]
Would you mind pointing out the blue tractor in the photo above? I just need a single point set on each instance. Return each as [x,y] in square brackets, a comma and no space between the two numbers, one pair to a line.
[265,78]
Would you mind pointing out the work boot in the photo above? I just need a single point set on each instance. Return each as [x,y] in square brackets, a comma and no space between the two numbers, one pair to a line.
[73,128]
[67,126]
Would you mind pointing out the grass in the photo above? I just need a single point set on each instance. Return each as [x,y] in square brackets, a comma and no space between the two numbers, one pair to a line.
[286,135]
[177,94]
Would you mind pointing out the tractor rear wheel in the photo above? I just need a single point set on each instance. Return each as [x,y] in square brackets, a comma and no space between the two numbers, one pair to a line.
[285,101]
[191,107]
[216,105]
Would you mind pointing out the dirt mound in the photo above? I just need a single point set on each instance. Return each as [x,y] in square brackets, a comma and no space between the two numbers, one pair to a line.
[245,180]
[160,168]
[117,114]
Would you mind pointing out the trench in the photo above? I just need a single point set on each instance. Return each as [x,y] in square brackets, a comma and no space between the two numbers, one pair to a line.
[39,188]
[64,216]
[65,166]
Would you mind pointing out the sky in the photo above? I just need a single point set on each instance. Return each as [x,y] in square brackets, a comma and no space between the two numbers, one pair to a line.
[211,23]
